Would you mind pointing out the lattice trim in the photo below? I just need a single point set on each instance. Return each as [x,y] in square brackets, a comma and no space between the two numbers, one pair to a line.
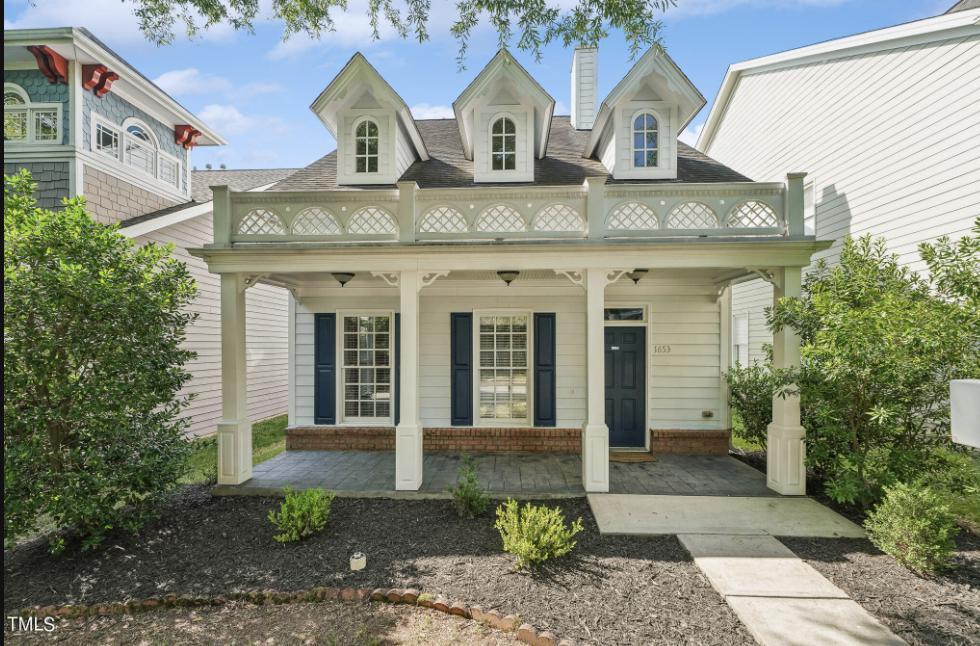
[443,219]
[261,222]
[753,215]
[372,220]
[314,221]
[500,218]
[558,217]
[632,216]
[692,215]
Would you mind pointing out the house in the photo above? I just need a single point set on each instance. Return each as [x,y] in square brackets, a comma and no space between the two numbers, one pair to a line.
[886,125]
[85,122]
[509,279]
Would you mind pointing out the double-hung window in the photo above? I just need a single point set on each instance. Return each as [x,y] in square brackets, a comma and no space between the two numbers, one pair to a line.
[503,145]
[503,371]
[366,138]
[367,367]
[28,122]
[645,151]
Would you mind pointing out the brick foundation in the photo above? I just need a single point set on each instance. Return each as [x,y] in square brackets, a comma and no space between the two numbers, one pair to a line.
[450,439]
[690,442]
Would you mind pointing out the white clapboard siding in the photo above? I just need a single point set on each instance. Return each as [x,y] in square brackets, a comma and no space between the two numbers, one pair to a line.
[888,137]
[682,382]
[267,328]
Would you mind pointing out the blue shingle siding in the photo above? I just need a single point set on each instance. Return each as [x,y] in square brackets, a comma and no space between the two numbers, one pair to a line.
[52,179]
[117,110]
[41,91]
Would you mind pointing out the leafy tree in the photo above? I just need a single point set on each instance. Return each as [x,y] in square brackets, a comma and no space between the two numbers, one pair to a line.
[880,344]
[92,364]
[535,22]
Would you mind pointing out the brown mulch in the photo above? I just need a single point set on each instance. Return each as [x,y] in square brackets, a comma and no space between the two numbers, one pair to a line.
[330,622]
[611,590]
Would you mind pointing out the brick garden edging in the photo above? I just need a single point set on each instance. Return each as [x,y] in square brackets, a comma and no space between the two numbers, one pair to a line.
[507,623]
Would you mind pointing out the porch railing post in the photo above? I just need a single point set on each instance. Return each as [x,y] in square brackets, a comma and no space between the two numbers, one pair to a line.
[407,194]
[234,429]
[595,206]
[408,433]
[221,214]
[785,450]
[794,204]
[595,434]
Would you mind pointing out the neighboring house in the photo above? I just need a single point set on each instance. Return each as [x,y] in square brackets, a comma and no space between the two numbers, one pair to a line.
[508,280]
[84,122]
[885,123]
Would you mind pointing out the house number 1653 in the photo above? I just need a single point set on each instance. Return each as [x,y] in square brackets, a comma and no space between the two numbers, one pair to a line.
[661,349]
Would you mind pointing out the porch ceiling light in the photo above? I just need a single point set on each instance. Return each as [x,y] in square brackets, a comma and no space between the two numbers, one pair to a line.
[343,277]
[637,274]
[508,275]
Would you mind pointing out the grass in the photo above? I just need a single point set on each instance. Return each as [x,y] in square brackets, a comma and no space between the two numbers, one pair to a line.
[268,440]
[738,439]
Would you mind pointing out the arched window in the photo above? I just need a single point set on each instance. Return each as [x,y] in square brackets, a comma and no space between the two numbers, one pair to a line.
[366,151]
[28,122]
[645,153]
[140,149]
[503,145]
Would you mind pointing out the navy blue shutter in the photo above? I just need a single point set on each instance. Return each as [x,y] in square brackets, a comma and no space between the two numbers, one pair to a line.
[545,413]
[325,368]
[398,367]
[461,368]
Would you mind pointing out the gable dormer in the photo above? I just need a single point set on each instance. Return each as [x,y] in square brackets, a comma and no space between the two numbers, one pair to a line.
[636,128]
[377,139]
[504,119]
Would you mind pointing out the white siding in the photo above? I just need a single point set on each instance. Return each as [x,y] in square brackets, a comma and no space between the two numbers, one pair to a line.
[267,335]
[889,139]
[682,382]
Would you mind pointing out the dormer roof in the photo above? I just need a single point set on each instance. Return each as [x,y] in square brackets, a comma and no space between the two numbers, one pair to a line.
[359,85]
[654,76]
[504,80]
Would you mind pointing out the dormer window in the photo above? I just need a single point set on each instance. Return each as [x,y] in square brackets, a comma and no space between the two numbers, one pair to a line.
[366,147]
[140,150]
[503,145]
[645,141]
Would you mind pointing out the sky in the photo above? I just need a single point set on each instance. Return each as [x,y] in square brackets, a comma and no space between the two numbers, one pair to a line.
[255,89]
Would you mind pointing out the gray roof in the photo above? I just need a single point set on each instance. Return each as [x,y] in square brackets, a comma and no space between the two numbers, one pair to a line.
[563,165]
[963,5]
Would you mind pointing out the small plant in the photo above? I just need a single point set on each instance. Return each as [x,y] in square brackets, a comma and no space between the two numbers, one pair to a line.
[468,498]
[301,514]
[914,524]
[535,533]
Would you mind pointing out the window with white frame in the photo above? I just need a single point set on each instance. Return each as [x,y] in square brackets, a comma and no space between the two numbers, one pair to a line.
[503,374]
[809,209]
[27,122]
[740,339]
[503,145]
[140,151]
[366,139]
[169,170]
[136,147]
[107,140]
[645,152]
[367,367]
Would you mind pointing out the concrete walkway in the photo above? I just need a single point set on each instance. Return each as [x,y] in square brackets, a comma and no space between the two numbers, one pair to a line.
[781,600]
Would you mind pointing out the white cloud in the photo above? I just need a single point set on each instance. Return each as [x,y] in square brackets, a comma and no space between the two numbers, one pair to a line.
[707,7]
[191,81]
[691,134]
[426,111]
[229,120]
[561,107]
[351,27]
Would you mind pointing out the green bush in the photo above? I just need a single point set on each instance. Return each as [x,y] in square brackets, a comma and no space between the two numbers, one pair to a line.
[914,524]
[535,533]
[750,391]
[468,498]
[93,364]
[301,514]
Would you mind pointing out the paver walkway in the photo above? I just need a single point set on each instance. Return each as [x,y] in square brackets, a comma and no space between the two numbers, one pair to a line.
[781,600]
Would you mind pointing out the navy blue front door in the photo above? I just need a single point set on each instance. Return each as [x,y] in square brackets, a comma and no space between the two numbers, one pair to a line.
[625,385]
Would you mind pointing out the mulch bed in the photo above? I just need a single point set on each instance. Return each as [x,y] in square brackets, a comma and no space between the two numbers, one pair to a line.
[611,590]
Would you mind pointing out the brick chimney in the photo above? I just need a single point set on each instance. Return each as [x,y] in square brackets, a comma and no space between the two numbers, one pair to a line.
[584,79]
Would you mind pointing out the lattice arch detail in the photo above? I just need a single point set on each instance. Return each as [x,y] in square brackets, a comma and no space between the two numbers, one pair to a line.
[500,218]
[558,217]
[314,221]
[443,219]
[372,220]
[261,222]
[692,215]
[632,216]
[753,215]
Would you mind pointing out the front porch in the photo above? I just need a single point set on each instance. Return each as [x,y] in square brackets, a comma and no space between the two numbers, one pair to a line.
[518,475]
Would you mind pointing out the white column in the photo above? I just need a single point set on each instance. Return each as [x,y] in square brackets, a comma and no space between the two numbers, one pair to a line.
[725,356]
[785,451]
[408,433]
[234,429]
[595,434]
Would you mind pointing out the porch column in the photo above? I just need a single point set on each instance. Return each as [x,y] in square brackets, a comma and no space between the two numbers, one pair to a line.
[234,429]
[595,434]
[785,471]
[408,433]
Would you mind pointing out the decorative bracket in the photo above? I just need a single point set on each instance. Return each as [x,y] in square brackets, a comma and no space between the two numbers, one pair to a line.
[765,275]
[574,275]
[429,277]
[53,65]
[251,280]
[393,278]
[98,78]
[720,291]
[186,136]
[615,274]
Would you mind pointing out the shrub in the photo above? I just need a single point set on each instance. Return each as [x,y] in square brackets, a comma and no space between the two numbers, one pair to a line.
[535,533]
[93,363]
[468,498]
[914,524]
[301,514]
[750,391]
